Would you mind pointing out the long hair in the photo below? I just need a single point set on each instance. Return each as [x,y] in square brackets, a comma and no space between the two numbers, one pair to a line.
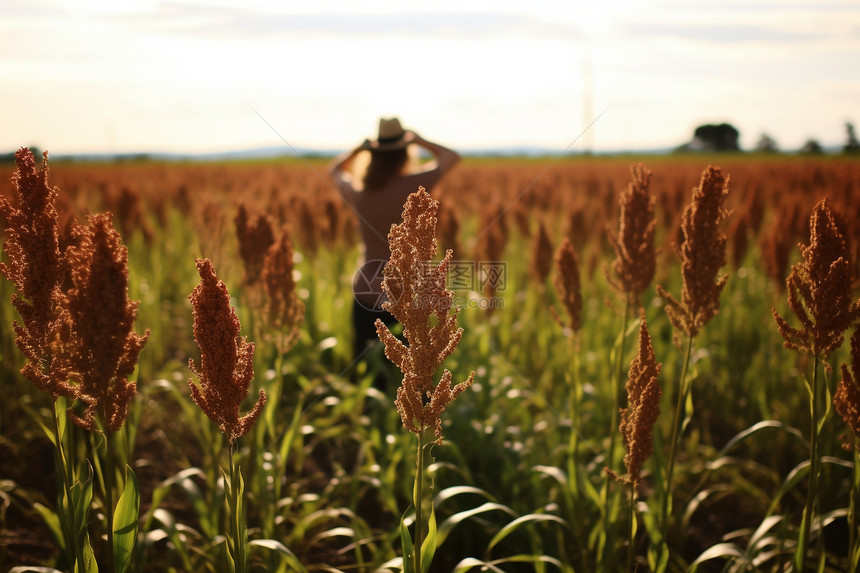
[384,166]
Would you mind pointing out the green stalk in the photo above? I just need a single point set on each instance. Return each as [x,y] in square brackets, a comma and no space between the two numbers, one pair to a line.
[613,424]
[238,545]
[814,474]
[417,494]
[108,477]
[852,516]
[630,522]
[574,403]
[673,444]
[66,511]
[616,387]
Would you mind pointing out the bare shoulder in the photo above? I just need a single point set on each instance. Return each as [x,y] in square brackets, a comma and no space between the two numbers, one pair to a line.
[343,183]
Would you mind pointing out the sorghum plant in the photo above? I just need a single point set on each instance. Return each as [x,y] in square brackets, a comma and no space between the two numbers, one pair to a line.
[638,419]
[284,312]
[541,256]
[99,352]
[568,286]
[702,255]
[100,347]
[635,255]
[630,275]
[819,294]
[35,267]
[255,237]
[80,344]
[419,300]
[224,374]
[491,242]
[643,407]
[634,266]
[846,402]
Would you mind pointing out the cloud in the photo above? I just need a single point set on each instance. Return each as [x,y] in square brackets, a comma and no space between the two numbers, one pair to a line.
[229,22]
[722,33]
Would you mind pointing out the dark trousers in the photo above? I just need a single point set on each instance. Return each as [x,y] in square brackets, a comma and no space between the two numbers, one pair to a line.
[364,326]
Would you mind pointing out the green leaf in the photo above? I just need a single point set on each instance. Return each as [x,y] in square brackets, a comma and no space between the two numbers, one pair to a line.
[48,432]
[718,551]
[170,529]
[470,563]
[802,541]
[160,491]
[794,476]
[242,519]
[758,536]
[452,491]
[428,547]
[288,557]
[125,519]
[515,524]
[658,557]
[451,522]
[60,406]
[757,427]
[81,500]
[52,520]
[689,409]
[289,436]
[90,563]
[406,542]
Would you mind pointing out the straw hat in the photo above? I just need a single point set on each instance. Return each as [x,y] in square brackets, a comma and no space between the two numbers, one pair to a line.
[390,135]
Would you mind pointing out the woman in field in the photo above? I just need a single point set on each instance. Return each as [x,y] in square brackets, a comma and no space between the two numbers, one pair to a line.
[376,193]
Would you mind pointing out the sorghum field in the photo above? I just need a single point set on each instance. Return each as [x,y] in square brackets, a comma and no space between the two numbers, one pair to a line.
[664,355]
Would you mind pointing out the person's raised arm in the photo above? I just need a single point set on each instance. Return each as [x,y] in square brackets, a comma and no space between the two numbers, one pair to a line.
[445,158]
[338,167]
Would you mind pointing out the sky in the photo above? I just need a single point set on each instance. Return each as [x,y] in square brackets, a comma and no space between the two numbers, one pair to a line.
[188,76]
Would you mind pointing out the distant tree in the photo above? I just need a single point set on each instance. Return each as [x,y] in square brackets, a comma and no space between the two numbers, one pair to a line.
[852,145]
[812,147]
[10,157]
[766,144]
[713,137]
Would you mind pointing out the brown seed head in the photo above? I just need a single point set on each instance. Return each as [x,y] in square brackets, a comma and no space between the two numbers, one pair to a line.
[567,285]
[702,254]
[99,346]
[419,300]
[226,361]
[643,406]
[635,256]
[819,290]
[542,253]
[35,267]
[285,310]
[448,228]
[255,237]
[846,400]
[491,243]
[775,246]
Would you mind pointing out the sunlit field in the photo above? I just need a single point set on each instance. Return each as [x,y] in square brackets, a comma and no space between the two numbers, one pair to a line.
[531,472]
